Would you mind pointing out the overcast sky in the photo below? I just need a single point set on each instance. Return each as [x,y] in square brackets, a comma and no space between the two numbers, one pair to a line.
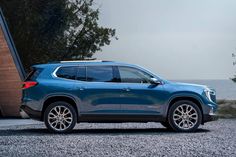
[177,39]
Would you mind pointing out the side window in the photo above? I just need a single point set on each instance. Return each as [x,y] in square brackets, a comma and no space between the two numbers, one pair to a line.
[81,75]
[132,75]
[67,72]
[100,74]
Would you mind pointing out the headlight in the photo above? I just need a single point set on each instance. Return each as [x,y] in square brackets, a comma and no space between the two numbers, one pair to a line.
[208,93]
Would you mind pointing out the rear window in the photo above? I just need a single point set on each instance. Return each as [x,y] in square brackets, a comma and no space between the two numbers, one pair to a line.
[67,72]
[33,74]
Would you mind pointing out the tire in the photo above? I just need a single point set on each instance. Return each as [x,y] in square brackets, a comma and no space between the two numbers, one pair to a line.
[166,125]
[63,122]
[184,116]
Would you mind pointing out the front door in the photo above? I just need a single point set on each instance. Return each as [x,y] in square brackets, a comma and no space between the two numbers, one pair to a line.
[139,96]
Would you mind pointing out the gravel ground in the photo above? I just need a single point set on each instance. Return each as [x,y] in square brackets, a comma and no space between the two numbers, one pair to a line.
[128,139]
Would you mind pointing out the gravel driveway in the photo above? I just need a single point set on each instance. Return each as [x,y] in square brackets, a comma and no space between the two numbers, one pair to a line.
[128,139]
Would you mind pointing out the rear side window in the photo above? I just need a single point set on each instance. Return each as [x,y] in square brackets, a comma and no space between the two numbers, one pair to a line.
[67,72]
[33,74]
[100,74]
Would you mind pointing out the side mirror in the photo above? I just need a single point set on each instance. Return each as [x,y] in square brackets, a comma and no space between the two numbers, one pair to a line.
[155,81]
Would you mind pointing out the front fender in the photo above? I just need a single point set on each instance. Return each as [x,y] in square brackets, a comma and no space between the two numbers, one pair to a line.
[182,95]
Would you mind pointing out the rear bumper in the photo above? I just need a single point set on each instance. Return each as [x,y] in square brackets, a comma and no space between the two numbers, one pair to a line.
[27,111]
[23,114]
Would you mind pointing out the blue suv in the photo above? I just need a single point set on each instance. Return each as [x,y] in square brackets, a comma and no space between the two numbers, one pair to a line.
[68,92]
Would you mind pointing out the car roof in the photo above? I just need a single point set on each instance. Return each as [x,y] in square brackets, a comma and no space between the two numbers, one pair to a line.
[81,62]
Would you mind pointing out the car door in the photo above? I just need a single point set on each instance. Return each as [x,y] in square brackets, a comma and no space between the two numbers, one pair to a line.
[98,91]
[139,95]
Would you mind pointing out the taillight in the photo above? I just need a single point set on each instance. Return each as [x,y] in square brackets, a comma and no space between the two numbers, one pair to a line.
[29,84]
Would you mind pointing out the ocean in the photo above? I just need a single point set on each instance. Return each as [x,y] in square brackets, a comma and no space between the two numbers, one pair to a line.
[225,89]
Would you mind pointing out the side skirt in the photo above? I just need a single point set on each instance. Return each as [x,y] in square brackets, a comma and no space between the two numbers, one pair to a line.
[120,118]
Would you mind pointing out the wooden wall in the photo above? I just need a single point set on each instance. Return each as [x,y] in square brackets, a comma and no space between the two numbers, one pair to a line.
[10,82]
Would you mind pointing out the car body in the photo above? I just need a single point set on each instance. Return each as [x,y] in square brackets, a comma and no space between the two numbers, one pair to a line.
[108,91]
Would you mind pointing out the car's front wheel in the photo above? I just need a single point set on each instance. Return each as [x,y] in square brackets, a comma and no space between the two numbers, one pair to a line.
[184,116]
[60,117]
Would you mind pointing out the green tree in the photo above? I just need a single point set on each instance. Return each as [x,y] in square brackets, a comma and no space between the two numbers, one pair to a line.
[45,31]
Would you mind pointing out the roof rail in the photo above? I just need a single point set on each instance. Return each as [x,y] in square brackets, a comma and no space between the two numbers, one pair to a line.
[77,61]
[81,61]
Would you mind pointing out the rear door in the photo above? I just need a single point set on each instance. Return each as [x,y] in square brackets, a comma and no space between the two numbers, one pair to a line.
[98,91]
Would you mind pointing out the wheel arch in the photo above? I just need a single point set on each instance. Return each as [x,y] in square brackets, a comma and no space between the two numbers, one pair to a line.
[191,98]
[54,98]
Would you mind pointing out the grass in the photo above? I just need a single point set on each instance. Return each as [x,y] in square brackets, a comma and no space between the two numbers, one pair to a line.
[227,108]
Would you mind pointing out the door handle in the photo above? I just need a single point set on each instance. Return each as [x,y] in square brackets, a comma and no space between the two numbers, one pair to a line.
[126,89]
[81,88]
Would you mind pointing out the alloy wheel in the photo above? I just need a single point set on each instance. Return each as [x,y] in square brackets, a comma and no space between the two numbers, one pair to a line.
[60,118]
[185,116]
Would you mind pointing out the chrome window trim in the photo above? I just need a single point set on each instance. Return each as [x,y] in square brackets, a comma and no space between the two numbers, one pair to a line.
[55,71]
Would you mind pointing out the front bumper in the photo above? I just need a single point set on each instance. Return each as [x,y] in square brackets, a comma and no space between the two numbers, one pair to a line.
[210,112]
[27,111]
[208,118]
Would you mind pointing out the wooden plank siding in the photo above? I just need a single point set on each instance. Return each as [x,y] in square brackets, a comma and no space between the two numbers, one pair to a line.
[10,81]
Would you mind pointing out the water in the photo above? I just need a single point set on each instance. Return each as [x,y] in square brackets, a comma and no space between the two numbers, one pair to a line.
[225,89]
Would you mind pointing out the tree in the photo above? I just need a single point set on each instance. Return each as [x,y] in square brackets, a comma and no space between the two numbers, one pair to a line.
[45,31]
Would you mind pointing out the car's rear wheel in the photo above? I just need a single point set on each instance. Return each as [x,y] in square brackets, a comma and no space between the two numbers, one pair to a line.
[184,116]
[60,117]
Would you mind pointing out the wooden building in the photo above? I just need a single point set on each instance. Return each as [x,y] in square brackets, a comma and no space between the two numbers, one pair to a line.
[11,73]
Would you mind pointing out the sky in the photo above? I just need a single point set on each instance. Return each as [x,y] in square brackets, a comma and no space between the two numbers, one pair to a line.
[176,39]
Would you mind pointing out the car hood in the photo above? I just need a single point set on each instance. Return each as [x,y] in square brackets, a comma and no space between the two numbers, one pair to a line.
[186,86]
[189,84]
